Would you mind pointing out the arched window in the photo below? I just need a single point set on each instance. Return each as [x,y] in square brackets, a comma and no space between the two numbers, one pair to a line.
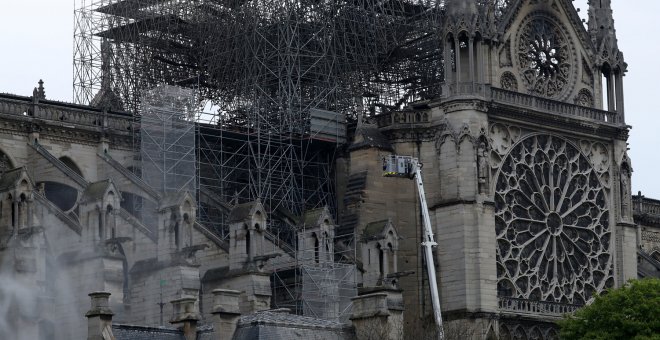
[390,259]
[110,221]
[327,240]
[22,211]
[10,200]
[316,248]
[247,241]
[100,224]
[62,195]
[381,261]
[187,233]
[175,229]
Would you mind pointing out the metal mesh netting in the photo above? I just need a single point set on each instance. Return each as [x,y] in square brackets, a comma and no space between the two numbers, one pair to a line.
[168,139]
[327,291]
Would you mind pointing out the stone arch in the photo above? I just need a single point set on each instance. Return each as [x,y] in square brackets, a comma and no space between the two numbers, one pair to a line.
[62,195]
[6,161]
[71,164]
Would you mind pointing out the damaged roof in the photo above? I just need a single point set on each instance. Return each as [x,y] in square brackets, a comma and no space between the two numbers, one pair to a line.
[375,230]
[132,332]
[96,190]
[281,325]
[241,212]
[311,217]
[369,136]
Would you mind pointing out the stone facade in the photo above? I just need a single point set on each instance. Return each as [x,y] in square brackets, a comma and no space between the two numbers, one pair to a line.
[528,188]
[525,169]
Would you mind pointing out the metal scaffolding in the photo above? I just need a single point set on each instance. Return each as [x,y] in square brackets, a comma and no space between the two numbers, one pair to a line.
[276,82]
[167,136]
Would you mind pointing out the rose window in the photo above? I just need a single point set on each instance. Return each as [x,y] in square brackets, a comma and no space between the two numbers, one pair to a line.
[552,224]
[544,57]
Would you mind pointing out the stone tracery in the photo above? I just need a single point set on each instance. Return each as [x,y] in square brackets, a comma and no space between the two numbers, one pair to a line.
[544,57]
[552,224]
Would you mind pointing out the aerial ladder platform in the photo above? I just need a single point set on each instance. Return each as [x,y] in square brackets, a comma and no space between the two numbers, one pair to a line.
[411,168]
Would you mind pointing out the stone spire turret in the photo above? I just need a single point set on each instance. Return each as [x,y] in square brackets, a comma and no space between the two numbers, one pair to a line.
[461,7]
[608,59]
[461,15]
[603,34]
[467,27]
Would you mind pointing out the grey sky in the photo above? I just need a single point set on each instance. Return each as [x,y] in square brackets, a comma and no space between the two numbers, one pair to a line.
[36,42]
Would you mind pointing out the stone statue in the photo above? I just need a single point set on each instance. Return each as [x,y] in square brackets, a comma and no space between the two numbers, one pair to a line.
[482,168]
[625,192]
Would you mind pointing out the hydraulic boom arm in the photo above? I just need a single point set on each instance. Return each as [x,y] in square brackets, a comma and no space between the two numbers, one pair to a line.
[399,166]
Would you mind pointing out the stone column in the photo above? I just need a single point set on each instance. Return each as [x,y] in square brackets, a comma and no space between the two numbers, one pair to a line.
[226,312]
[378,315]
[99,317]
[471,59]
[457,59]
[611,99]
[481,65]
[447,65]
[619,96]
[186,316]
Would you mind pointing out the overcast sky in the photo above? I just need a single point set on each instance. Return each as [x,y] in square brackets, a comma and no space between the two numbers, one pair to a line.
[36,42]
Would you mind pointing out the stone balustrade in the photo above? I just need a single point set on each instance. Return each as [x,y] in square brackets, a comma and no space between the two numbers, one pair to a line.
[643,205]
[524,306]
[552,106]
[504,97]
[66,114]
[402,117]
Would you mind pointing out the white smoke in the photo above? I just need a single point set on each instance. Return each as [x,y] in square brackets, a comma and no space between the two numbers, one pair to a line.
[19,304]
[36,295]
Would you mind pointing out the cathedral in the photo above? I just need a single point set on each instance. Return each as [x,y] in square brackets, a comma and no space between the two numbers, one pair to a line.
[129,215]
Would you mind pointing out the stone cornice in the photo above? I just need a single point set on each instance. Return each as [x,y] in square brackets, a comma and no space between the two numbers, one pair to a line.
[462,103]
[560,123]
